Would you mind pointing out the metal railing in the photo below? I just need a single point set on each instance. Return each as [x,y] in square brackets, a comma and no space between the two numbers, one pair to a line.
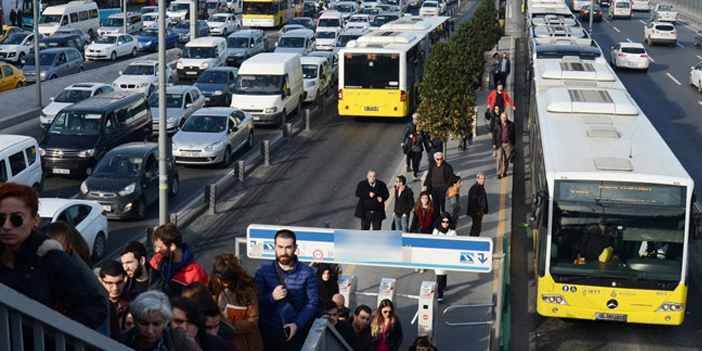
[23,320]
[324,337]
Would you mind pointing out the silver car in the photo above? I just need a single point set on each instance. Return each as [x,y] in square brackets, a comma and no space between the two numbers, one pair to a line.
[211,135]
[181,102]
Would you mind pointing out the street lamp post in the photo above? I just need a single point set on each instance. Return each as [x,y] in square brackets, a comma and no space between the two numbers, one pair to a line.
[592,10]
[193,19]
[163,146]
[37,67]
[124,17]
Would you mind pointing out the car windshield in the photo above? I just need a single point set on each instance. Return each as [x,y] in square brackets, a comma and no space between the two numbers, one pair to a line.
[430,4]
[345,8]
[309,71]
[106,40]
[113,22]
[241,43]
[139,70]
[44,59]
[179,7]
[217,19]
[51,19]
[301,21]
[344,39]
[326,35]
[76,123]
[205,124]
[72,95]
[149,32]
[634,50]
[382,19]
[118,166]
[183,25]
[259,84]
[291,42]
[173,100]
[212,77]
[665,8]
[328,22]
[149,18]
[15,39]
[195,52]
[358,19]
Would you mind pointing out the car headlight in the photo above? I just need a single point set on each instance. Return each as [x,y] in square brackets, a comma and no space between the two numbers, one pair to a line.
[270,110]
[149,43]
[13,53]
[129,189]
[86,153]
[42,74]
[179,65]
[42,152]
[42,114]
[215,147]
[218,92]
[84,187]
[172,118]
[239,54]
[115,85]
[205,64]
[309,84]
[143,85]
[174,146]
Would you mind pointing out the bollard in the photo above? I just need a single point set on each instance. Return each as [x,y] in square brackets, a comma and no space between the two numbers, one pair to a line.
[211,198]
[348,285]
[288,131]
[266,152]
[386,290]
[241,171]
[426,307]
[307,120]
[323,106]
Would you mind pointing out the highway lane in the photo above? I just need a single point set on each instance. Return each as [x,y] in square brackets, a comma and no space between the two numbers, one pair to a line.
[675,112]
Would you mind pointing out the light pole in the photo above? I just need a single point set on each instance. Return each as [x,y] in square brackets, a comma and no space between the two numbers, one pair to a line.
[124,17]
[193,19]
[592,9]
[37,67]
[163,146]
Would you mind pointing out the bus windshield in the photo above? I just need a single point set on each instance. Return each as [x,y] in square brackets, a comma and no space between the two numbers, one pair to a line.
[372,71]
[260,8]
[617,230]
[259,84]
[50,19]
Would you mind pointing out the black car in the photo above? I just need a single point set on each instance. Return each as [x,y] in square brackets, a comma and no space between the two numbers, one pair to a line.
[217,84]
[62,41]
[604,3]
[596,14]
[125,181]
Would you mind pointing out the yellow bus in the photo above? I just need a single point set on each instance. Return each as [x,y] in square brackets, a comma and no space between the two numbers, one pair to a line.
[612,212]
[379,72]
[267,13]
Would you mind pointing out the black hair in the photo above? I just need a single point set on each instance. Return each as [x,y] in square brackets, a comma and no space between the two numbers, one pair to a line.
[327,305]
[363,308]
[112,268]
[134,247]
[402,179]
[208,308]
[191,309]
[286,234]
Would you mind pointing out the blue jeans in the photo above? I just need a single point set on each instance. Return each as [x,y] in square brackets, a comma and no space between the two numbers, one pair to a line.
[402,223]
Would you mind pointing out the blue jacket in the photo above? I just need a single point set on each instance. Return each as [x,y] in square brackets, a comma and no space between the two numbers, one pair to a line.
[508,66]
[302,287]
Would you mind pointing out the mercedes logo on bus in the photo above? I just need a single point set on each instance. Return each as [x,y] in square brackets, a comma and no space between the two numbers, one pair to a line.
[612,304]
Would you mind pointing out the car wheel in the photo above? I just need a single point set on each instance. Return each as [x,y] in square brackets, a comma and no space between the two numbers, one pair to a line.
[226,158]
[224,32]
[19,85]
[699,86]
[174,188]
[113,56]
[53,76]
[20,58]
[134,52]
[99,246]
[250,141]
[140,208]
[81,69]
[151,91]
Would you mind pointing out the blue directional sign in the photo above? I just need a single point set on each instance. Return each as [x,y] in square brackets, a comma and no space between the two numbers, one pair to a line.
[377,248]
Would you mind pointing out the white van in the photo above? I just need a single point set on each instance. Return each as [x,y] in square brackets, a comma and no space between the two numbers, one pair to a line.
[331,18]
[270,87]
[178,10]
[201,54]
[19,161]
[620,9]
[115,23]
[81,15]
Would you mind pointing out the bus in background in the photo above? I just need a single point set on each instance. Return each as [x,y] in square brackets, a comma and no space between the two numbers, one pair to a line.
[267,13]
[105,9]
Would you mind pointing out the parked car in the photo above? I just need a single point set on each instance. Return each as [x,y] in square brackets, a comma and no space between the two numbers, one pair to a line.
[88,217]
[211,135]
[69,96]
[326,39]
[596,14]
[223,24]
[181,102]
[183,30]
[359,20]
[696,76]
[115,23]
[217,85]
[16,46]
[11,77]
[660,32]
[629,55]
[148,39]
[126,181]
[300,41]
[111,46]
[75,31]
[315,72]
[306,22]
[664,13]
[243,44]
[141,76]
[53,63]
[61,41]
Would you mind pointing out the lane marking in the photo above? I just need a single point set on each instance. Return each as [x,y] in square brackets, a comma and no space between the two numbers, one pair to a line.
[642,21]
[606,20]
[678,44]
[509,11]
[699,57]
[629,40]
[651,58]
[617,29]
[699,102]
[673,78]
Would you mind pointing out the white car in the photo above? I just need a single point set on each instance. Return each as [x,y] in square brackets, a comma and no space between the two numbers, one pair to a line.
[223,24]
[315,72]
[430,8]
[88,217]
[366,4]
[181,102]
[141,76]
[660,32]
[211,135]
[361,21]
[111,46]
[696,76]
[151,19]
[640,5]
[629,55]
[16,46]
[326,39]
[664,13]
[69,96]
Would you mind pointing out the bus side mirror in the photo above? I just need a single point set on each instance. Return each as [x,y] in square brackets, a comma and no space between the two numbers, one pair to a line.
[538,201]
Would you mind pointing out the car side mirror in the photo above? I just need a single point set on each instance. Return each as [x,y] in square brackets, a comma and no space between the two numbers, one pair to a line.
[119,43]
[51,98]
[119,72]
[276,44]
[189,105]
[252,44]
[537,205]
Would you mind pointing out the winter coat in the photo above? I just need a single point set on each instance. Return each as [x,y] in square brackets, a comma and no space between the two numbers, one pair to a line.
[477,198]
[404,203]
[183,273]
[246,333]
[366,203]
[446,170]
[393,336]
[497,133]
[155,282]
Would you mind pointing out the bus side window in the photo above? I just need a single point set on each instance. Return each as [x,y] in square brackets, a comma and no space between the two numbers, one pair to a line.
[74,17]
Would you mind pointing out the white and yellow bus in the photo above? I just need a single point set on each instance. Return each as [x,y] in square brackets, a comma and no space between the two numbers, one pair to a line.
[379,72]
[267,13]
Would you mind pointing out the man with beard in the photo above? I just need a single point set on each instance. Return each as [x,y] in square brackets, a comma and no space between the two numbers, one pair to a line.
[287,296]
[175,259]
[140,276]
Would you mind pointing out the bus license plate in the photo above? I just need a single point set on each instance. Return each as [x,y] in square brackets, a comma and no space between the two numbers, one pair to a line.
[370,108]
[610,317]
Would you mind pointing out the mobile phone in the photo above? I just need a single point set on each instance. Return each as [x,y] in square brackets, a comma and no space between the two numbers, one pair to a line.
[286,330]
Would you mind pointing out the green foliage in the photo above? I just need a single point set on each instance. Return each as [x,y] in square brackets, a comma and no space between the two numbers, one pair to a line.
[485,21]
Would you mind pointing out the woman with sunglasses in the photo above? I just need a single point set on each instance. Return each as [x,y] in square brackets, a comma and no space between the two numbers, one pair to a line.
[38,267]
[386,328]
[443,227]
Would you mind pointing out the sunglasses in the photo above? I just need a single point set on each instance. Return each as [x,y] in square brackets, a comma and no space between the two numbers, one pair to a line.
[445,222]
[16,219]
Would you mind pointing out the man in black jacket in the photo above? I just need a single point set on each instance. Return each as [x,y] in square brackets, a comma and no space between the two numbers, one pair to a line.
[331,313]
[140,276]
[477,204]
[438,180]
[503,141]
[372,194]
[360,324]
[404,202]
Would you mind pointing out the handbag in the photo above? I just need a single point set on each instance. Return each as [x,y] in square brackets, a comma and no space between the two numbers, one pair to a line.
[407,149]
[512,155]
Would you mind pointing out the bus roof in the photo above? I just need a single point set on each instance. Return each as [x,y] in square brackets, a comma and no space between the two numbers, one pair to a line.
[573,71]
[382,41]
[415,24]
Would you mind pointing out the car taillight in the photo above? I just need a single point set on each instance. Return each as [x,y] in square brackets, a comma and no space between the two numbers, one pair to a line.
[644,55]
[655,31]
[104,213]
[622,55]
[403,96]
[600,13]
[341,94]
[674,32]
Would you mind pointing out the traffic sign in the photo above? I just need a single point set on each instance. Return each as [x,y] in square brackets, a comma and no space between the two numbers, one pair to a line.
[380,248]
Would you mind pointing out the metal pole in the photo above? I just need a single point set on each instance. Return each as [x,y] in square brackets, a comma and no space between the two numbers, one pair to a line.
[162,137]
[401,14]
[307,120]
[37,67]
[500,291]
[592,9]
[266,152]
[193,20]
[241,172]
[124,17]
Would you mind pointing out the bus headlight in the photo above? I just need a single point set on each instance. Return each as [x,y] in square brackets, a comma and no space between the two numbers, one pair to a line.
[555,299]
[671,307]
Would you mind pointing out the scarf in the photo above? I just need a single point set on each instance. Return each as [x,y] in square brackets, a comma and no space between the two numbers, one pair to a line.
[160,346]
[425,218]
